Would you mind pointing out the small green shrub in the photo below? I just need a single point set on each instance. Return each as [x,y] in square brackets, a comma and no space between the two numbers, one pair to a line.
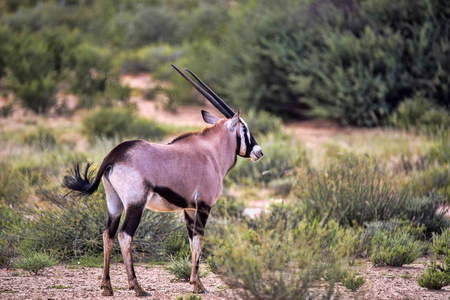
[212,264]
[73,227]
[7,109]
[35,262]
[441,243]
[89,65]
[189,297]
[351,190]
[181,268]
[434,180]
[228,207]
[41,138]
[11,184]
[283,186]
[436,276]
[11,225]
[36,63]
[440,153]
[274,258]
[365,245]
[177,245]
[394,249]
[122,123]
[420,114]
[429,211]
[352,281]
[262,122]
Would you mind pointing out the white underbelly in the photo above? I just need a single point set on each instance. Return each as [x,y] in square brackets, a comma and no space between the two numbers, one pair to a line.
[158,203]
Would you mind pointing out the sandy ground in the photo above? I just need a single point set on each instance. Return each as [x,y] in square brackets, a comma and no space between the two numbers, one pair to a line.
[75,282]
[69,282]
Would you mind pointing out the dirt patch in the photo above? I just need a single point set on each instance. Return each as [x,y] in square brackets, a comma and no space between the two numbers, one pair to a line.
[68,282]
[74,282]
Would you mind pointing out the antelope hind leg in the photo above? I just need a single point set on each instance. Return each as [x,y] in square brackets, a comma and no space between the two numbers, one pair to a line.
[132,219]
[115,210]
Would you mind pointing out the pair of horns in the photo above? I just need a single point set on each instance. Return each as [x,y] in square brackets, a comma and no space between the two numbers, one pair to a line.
[207,92]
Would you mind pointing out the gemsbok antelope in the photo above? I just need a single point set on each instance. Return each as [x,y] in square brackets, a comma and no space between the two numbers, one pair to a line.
[186,174]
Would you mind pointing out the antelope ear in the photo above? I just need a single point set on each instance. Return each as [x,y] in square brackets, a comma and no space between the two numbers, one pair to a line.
[209,118]
[234,121]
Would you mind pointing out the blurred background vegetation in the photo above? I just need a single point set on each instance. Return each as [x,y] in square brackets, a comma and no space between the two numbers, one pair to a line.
[364,63]
[355,61]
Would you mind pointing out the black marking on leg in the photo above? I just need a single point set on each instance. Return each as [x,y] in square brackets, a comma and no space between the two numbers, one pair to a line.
[132,218]
[189,224]
[201,218]
[197,265]
[112,225]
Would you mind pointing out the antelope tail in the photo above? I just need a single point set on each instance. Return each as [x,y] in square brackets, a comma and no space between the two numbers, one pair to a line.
[80,182]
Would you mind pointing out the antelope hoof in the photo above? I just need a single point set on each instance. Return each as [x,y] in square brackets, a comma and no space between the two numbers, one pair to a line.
[107,292]
[140,292]
[199,288]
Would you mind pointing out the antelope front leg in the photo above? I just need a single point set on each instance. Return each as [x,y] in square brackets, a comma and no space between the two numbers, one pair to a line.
[196,249]
[195,224]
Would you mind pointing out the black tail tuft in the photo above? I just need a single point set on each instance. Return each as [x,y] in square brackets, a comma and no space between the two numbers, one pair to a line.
[80,183]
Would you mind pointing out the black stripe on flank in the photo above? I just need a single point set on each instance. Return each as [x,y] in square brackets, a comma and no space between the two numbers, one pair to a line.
[171,196]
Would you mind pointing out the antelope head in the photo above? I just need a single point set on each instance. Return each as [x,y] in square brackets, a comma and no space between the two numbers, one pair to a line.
[247,145]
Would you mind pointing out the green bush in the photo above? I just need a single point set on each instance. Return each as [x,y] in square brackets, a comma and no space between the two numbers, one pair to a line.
[189,297]
[35,262]
[429,211]
[35,65]
[11,183]
[354,62]
[41,138]
[365,246]
[73,227]
[352,282]
[11,225]
[263,123]
[441,243]
[89,66]
[394,249]
[420,114]
[434,180]
[150,25]
[181,268]
[351,191]
[436,276]
[440,153]
[177,245]
[277,258]
[122,123]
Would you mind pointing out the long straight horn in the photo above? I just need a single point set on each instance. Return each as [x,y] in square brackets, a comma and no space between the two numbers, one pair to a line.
[211,92]
[204,93]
